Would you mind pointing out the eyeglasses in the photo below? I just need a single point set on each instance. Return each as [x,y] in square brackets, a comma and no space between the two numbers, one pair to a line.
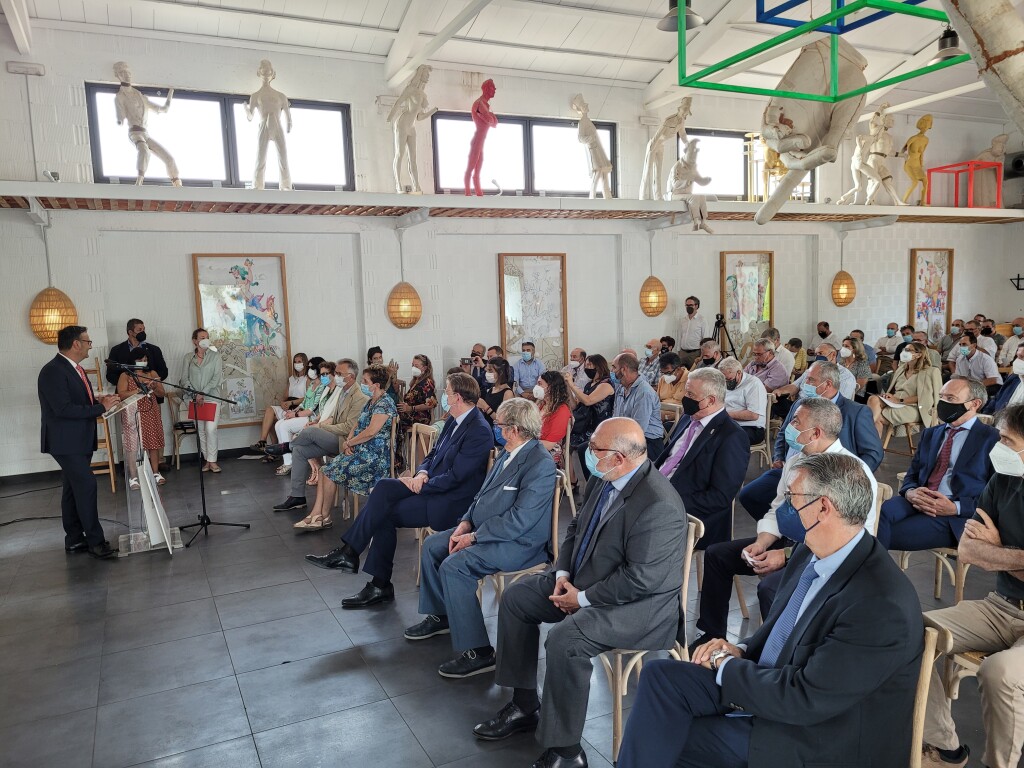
[85,341]
[595,449]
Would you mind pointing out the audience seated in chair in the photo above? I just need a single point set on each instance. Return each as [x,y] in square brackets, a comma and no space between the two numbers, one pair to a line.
[308,412]
[858,436]
[796,348]
[506,528]
[994,541]
[591,405]
[707,458]
[766,366]
[365,456]
[672,384]
[746,400]
[616,584]
[1012,391]
[292,397]
[1008,351]
[437,495]
[783,354]
[853,357]
[974,362]
[552,395]
[814,429]
[635,399]
[912,392]
[948,473]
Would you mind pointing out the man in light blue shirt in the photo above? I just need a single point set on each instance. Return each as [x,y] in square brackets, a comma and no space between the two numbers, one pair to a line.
[636,399]
[527,370]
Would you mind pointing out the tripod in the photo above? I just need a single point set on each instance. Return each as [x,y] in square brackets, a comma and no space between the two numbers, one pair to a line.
[189,395]
[719,332]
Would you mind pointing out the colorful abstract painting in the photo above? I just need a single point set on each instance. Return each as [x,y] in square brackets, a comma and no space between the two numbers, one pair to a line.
[242,300]
[931,291]
[746,294]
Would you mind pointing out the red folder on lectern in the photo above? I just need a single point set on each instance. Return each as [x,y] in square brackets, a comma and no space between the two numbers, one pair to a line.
[206,412]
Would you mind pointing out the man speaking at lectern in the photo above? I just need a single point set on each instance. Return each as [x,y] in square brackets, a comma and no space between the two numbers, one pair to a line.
[69,410]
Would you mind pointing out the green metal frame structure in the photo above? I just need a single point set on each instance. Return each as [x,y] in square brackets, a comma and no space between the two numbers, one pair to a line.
[696,80]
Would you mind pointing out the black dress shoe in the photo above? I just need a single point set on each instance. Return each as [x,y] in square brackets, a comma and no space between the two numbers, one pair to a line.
[292,502]
[551,759]
[510,720]
[467,665]
[336,560]
[103,551]
[370,595]
[429,627]
[279,449]
[80,546]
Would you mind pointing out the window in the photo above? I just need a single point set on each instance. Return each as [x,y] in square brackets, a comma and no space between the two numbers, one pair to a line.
[213,142]
[523,155]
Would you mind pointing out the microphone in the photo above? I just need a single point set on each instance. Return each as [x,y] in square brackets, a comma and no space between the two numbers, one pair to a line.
[125,366]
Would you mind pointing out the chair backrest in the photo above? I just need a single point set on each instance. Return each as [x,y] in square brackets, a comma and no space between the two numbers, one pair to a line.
[555,504]
[566,448]
[393,448]
[884,494]
[938,641]
[984,418]
[422,439]
[694,533]
[678,411]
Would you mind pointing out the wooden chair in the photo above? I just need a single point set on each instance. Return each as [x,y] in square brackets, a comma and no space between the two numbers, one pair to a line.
[620,663]
[908,430]
[984,418]
[698,557]
[103,441]
[676,410]
[352,498]
[763,449]
[938,642]
[959,666]
[884,494]
[180,428]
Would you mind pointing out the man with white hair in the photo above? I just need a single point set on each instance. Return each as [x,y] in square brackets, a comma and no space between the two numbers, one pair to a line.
[824,353]
[1009,348]
[746,400]
[710,354]
[784,356]
[766,366]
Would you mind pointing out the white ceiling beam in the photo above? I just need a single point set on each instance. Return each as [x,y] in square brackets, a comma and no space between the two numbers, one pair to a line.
[911,63]
[538,6]
[505,45]
[16,13]
[401,48]
[769,55]
[463,18]
[931,98]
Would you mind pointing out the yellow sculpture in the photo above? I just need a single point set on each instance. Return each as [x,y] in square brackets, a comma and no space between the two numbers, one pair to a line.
[913,150]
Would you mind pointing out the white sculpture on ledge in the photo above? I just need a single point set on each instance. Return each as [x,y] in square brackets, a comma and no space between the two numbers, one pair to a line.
[680,187]
[807,134]
[130,105]
[651,183]
[868,164]
[600,165]
[411,107]
[985,179]
[270,103]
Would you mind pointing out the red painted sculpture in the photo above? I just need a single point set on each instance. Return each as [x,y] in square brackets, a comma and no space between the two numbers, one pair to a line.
[484,120]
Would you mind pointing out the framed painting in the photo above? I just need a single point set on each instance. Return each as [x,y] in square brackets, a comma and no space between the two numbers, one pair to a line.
[531,292]
[931,291]
[242,300]
[747,281]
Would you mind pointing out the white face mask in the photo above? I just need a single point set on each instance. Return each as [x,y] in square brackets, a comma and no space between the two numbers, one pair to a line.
[491,377]
[1018,367]
[298,367]
[204,343]
[574,364]
[538,392]
[339,381]
[906,357]
[312,374]
[668,378]
[415,371]
[845,352]
[1006,461]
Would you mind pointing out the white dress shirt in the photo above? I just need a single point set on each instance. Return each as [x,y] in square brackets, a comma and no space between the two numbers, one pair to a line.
[749,395]
[692,329]
[787,358]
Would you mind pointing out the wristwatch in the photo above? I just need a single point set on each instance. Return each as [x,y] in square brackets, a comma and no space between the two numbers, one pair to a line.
[717,656]
[788,552]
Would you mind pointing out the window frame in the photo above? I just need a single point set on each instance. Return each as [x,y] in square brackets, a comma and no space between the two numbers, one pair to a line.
[527,123]
[226,102]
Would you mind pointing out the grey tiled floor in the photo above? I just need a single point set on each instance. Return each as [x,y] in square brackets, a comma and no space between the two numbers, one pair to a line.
[234,653]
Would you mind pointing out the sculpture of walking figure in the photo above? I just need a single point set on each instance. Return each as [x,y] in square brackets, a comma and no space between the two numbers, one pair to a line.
[680,187]
[132,106]
[411,106]
[913,150]
[484,120]
[652,182]
[270,103]
[600,165]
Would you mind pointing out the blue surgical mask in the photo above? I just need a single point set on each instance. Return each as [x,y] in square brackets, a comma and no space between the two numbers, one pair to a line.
[792,437]
[444,402]
[1018,330]
[325,379]
[808,390]
[908,338]
[527,357]
[890,332]
[498,438]
[613,378]
[365,389]
[787,518]
[965,351]
[591,459]
[648,351]
[820,359]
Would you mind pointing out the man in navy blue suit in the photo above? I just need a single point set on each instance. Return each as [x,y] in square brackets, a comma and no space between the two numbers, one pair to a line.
[68,433]
[437,495]
[707,457]
[947,474]
[859,437]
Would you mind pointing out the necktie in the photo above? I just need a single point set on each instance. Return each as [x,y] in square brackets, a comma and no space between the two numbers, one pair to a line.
[692,431]
[784,626]
[85,381]
[599,510]
[942,463]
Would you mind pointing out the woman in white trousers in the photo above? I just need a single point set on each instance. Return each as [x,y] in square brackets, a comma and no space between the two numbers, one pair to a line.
[204,372]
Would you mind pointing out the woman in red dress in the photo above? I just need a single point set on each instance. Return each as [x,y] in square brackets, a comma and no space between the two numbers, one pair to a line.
[149,421]
[552,396]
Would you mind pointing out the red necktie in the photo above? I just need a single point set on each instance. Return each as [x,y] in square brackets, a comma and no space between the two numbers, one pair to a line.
[942,463]
[85,381]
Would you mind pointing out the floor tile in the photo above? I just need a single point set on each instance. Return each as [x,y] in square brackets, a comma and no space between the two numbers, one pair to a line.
[239,609]
[217,555]
[155,668]
[162,724]
[32,650]
[349,738]
[38,693]
[47,612]
[266,573]
[65,741]
[301,690]
[160,624]
[285,640]
[125,597]
[237,753]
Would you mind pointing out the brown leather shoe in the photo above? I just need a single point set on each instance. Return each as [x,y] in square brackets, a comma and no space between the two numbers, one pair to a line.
[930,758]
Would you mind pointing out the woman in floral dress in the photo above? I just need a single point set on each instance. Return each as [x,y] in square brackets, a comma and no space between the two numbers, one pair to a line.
[417,405]
[150,422]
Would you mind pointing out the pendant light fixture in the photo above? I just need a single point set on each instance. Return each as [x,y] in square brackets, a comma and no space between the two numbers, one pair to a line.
[949,46]
[653,294]
[404,307]
[51,309]
[670,23]
[844,289]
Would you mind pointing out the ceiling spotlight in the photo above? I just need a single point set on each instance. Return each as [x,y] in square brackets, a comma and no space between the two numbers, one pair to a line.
[671,21]
[949,46]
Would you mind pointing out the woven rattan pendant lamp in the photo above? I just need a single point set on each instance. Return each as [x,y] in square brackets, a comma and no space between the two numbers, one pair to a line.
[404,307]
[653,294]
[51,309]
[844,289]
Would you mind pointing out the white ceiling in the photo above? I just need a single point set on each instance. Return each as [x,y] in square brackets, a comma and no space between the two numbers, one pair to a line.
[607,41]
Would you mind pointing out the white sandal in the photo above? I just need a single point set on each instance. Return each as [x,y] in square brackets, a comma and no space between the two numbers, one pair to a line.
[159,479]
[133,484]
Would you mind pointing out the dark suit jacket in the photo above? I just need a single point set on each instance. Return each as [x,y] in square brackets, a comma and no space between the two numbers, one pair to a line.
[119,353]
[971,472]
[457,465]
[859,435]
[711,473]
[632,570]
[842,690]
[997,403]
[68,418]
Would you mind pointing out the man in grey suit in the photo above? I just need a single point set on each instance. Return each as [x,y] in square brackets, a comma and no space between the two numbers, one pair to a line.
[615,584]
[506,528]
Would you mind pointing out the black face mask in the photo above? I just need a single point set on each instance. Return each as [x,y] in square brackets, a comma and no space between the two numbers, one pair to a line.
[140,337]
[708,361]
[731,385]
[664,349]
[823,334]
[690,406]
[949,412]
[986,331]
[690,310]
[590,372]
